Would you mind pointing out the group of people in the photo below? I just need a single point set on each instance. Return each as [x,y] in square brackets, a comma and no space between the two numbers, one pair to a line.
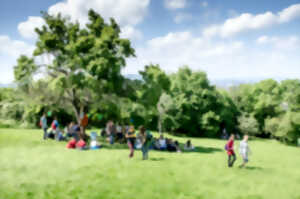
[143,140]
[244,151]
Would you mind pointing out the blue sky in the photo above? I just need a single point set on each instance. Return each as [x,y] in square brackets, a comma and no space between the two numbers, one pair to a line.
[227,39]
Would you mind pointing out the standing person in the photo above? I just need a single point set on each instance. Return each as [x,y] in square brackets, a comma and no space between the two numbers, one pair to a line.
[146,141]
[44,126]
[244,150]
[55,127]
[130,135]
[230,151]
[110,130]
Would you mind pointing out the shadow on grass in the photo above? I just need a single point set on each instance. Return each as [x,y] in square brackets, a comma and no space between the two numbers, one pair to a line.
[201,149]
[156,159]
[253,168]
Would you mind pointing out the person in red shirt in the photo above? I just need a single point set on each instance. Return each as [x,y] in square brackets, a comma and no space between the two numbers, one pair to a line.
[81,144]
[230,151]
[71,144]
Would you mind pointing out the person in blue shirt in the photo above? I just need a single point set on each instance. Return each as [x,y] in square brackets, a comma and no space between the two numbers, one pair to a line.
[44,126]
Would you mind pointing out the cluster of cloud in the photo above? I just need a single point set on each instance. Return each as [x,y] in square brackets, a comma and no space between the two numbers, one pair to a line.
[128,13]
[219,58]
[247,21]
[10,50]
[175,4]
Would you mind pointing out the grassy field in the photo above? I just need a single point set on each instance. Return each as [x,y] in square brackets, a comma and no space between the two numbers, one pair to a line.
[33,168]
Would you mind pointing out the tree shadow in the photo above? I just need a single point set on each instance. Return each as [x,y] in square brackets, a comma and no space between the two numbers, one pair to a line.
[157,159]
[201,149]
[253,168]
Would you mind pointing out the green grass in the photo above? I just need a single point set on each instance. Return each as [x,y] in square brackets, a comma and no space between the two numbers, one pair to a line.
[33,168]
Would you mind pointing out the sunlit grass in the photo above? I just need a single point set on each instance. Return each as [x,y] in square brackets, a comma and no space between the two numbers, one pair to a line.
[33,168]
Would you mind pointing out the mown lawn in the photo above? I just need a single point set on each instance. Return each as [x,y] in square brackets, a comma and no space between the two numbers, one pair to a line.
[33,168]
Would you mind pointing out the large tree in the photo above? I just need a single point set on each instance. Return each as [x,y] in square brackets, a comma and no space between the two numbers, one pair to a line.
[84,63]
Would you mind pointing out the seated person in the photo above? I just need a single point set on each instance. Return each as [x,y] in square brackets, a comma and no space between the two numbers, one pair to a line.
[81,144]
[138,141]
[71,144]
[51,135]
[60,136]
[176,144]
[155,144]
[94,143]
[162,143]
[188,146]
[171,145]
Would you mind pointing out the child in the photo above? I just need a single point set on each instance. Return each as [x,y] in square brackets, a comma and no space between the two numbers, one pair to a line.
[230,151]
[130,135]
[146,138]
[81,145]
[71,144]
[94,143]
[188,146]
[244,150]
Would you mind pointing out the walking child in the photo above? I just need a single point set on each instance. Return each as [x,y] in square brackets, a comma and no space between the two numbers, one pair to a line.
[244,150]
[230,151]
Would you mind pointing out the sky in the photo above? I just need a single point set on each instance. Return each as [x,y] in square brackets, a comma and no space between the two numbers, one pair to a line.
[228,39]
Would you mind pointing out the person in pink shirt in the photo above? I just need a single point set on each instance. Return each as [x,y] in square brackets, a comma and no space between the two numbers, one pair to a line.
[230,151]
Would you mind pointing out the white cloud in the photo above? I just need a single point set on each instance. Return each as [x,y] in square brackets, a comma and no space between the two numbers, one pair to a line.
[281,43]
[127,13]
[175,4]
[27,28]
[10,50]
[220,59]
[181,17]
[131,32]
[247,21]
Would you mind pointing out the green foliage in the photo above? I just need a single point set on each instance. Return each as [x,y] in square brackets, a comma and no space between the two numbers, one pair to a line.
[248,125]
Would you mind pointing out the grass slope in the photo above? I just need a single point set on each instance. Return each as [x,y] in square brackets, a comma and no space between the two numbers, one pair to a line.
[32,168]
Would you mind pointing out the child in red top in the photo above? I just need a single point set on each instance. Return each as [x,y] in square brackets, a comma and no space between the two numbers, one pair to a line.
[71,144]
[230,151]
[81,144]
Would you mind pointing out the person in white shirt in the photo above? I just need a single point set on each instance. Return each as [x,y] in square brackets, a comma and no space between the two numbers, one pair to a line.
[244,150]
[162,143]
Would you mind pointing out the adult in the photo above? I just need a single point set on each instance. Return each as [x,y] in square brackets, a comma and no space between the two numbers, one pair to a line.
[44,125]
[230,151]
[111,131]
[146,141]
[244,150]
[130,135]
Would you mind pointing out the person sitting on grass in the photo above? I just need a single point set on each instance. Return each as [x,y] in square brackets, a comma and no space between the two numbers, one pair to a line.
[176,144]
[138,141]
[162,143]
[71,144]
[230,151]
[60,136]
[146,138]
[188,146]
[94,143]
[244,150]
[171,145]
[130,135]
[81,144]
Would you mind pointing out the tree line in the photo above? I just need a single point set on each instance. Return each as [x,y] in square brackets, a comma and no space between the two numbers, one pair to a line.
[82,74]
